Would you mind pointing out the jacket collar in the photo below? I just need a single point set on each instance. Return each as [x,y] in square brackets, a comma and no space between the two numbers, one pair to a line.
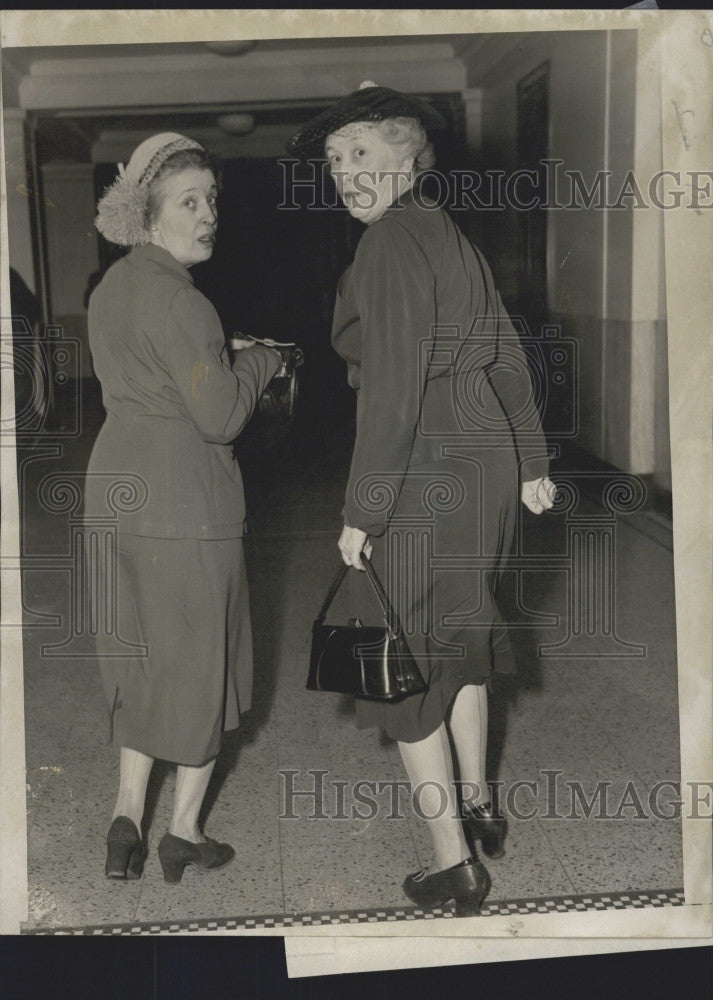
[157,255]
[407,199]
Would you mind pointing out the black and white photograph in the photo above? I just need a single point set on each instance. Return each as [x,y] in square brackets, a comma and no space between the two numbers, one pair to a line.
[356,591]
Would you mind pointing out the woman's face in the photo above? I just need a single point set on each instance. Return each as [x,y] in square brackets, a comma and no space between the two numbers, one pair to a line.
[186,219]
[369,172]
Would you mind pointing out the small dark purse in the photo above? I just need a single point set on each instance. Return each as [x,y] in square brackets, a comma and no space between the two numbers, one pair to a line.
[370,661]
[275,411]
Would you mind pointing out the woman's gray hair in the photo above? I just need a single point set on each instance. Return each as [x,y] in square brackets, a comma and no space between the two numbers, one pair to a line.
[409,134]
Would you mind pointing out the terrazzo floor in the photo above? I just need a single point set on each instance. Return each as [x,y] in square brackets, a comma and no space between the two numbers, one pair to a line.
[562,721]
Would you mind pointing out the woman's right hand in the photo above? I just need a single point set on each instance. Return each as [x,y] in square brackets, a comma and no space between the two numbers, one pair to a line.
[353,542]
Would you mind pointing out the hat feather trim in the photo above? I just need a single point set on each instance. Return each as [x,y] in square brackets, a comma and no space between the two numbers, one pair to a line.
[121,213]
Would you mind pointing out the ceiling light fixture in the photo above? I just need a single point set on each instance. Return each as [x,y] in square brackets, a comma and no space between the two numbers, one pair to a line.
[230,48]
[236,124]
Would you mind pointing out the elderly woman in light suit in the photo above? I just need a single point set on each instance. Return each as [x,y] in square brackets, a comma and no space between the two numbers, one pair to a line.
[419,322]
[174,404]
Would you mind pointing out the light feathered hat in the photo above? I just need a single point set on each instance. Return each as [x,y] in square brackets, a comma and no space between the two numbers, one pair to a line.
[121,212]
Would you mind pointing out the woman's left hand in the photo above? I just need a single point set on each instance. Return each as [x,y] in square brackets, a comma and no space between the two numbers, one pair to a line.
[240,343]
[352,544]
[538,494]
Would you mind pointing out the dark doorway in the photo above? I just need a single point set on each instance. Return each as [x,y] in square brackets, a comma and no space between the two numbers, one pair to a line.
[553,358]
[533,142]
[278,257]
[276,267]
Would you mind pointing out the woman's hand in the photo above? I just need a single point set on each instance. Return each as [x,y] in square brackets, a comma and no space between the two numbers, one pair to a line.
[240,343]
[538,494]
[352,543]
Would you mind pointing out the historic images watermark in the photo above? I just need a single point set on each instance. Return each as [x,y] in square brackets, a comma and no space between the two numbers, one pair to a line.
[46,367]
[590,505]
[547,362]
[44,363]
[482,361]
[315,795]
[306,185]
[89,561]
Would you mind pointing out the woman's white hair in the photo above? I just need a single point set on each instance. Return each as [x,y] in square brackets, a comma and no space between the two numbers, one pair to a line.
[409,135]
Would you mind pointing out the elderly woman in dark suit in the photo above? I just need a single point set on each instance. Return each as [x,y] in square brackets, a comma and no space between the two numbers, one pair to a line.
[174,405]
[447,436]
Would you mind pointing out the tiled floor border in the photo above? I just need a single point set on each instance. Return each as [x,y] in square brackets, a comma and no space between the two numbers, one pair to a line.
[634,900]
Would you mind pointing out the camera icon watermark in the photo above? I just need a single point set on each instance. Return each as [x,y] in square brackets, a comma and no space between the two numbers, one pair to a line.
[542,368]
[44,362]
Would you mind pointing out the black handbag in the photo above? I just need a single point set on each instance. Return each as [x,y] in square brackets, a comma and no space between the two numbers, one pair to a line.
[275,411]
[370,661]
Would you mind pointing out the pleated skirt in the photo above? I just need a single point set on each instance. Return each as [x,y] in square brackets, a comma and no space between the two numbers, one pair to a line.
[183,616]
[441,561]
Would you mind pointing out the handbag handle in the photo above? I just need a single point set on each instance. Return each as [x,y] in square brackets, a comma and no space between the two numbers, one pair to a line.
[391,619]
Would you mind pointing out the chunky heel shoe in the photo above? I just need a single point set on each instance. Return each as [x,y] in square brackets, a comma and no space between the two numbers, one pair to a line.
[125,850]
[485,823]
[466,883]
[172,870]
[175,854]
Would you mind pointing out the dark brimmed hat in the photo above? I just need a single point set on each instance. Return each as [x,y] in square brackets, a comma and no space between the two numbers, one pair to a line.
[370,103]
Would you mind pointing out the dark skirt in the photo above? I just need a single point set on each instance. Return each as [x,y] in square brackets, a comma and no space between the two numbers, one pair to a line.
[186,602]
[441,561]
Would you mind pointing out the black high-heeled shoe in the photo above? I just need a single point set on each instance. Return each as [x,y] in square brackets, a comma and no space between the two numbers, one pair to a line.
[174,853]
[467,883]
[125,850]
[486,824]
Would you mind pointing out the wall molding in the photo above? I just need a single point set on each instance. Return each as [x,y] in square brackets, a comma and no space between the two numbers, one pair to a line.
[256,77]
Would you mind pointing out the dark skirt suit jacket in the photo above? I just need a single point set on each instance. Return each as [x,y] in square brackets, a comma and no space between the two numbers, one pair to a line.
[447,428]
[162,471]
